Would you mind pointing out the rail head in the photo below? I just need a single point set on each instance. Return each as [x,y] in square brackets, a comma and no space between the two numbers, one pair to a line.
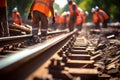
[18,58]
[21,38]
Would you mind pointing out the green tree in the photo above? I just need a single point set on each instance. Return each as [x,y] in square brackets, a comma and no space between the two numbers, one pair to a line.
[109,6]
[22,5]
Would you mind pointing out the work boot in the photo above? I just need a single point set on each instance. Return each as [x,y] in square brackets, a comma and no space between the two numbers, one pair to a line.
[36,39]
[43,38]
[43,34]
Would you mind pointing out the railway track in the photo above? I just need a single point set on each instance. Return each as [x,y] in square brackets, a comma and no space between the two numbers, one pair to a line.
[31,52]
[78,55]
[14,42]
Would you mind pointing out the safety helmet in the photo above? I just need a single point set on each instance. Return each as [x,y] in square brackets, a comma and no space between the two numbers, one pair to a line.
[93,10]
[15,9]
[97,8]
[64,13]
[56,11]
[86,12]
[67,12]
[80,9]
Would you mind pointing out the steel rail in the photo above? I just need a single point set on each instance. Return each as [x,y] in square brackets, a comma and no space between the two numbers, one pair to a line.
[14,60]
[16,39]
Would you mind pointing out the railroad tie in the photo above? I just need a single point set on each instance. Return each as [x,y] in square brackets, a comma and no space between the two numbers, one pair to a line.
[84,73]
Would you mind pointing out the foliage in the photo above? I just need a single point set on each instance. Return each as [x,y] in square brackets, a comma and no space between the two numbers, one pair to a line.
[110,6]
[22,5]
[57,7]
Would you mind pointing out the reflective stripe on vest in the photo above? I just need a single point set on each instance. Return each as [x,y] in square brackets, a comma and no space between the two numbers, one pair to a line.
[42,6]
[44,30]
[34,29]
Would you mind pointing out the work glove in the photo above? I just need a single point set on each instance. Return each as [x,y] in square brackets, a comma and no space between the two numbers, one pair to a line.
[53,19]
[29,16]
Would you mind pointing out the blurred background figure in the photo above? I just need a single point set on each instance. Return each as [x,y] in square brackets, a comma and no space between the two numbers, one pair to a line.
[57,17]
[63,20]
[103,16]
[16,16]
[73,8]
[79,20]
[4,28]
[85,16]
[96,18]
[67,18]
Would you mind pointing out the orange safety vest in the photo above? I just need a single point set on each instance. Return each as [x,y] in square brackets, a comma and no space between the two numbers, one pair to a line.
[3,3]
[16,18]
[102,15]
[62,19]
[84,16]
[71,9]
[95,17]
[67,18]
[79,19]
[42,6]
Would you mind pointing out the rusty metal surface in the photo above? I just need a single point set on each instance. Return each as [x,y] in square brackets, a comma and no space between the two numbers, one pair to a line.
[89,54]
[16,59]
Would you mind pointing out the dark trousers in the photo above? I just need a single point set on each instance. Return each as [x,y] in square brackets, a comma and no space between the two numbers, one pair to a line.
[39,21]
[71,24]
[79,26]
[97,25]
[105,24]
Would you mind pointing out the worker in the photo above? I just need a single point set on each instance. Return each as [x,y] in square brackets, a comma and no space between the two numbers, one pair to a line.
[96,18]
[67,18]
[79,20]
[73,14]
[103,16]
[85,14]
[57,17]
[63,21]
[4,28]
[16,16]
[39,12]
